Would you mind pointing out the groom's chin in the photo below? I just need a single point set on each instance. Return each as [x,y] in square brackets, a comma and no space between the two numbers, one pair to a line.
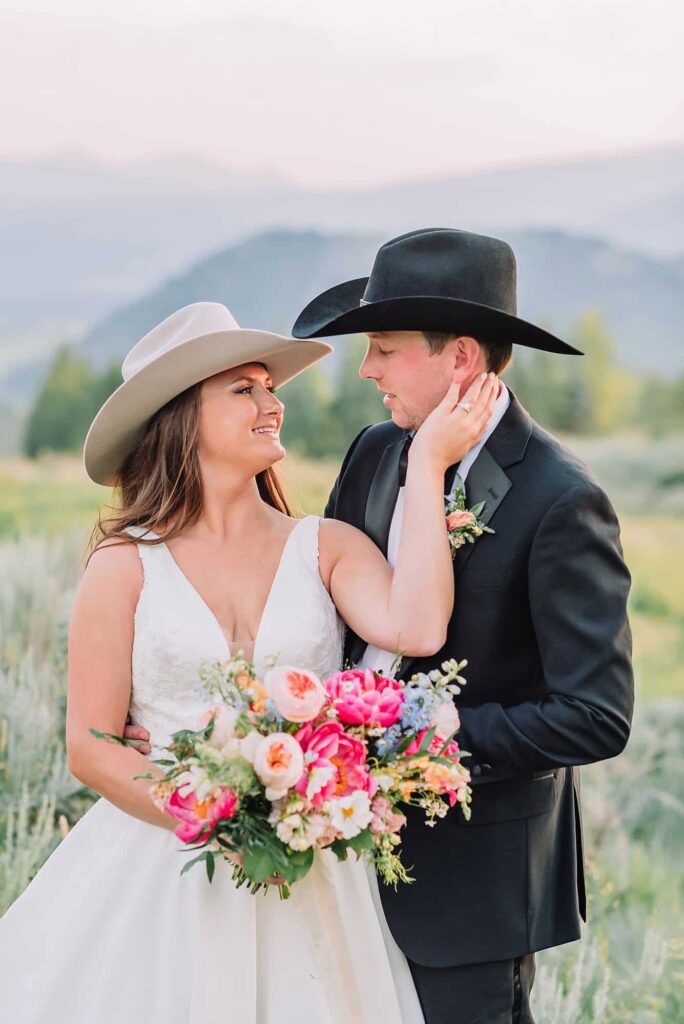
[400,419]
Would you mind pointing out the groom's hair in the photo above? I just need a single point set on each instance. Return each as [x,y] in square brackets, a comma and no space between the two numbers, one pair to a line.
[497,353]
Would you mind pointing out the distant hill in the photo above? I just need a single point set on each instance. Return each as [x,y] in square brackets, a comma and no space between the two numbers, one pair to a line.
[78,239]
[267,280]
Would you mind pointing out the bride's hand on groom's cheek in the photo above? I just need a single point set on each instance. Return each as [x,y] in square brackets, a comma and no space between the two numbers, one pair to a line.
[458,423]
[136,732]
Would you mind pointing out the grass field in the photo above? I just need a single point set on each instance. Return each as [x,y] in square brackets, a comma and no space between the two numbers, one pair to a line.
[629,966]
[52,495]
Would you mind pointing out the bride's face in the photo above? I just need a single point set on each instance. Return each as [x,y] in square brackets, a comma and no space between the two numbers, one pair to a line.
[240,419]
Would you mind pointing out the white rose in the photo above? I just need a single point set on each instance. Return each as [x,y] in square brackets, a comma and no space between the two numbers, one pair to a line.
[224,718]
[445,718]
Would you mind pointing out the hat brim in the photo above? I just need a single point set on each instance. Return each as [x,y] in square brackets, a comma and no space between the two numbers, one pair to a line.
[339,311]
[118,425]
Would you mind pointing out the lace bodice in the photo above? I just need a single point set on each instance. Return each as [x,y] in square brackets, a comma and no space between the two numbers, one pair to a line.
[175,630]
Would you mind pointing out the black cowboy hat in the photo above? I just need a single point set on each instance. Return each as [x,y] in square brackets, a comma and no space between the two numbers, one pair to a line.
[436,279]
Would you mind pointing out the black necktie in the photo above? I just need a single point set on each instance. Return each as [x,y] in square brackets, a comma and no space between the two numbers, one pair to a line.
[403,460]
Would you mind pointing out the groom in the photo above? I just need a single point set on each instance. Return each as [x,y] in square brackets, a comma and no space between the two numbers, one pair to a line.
[540,614]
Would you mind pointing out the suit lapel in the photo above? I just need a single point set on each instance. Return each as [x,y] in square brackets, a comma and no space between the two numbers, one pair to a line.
[382,496]
[486,482]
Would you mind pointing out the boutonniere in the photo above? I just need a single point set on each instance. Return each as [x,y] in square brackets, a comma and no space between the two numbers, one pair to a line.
[464,525]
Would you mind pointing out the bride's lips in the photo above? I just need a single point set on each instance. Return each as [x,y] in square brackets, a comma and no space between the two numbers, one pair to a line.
[271,432]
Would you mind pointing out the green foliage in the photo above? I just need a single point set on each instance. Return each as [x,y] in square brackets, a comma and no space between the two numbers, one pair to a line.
[306,421]
[69,398]
[576,395]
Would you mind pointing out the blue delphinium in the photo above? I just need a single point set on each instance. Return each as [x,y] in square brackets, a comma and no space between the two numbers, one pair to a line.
[423,694]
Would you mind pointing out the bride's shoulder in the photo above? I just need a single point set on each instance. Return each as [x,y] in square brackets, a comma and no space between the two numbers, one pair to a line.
[114,566]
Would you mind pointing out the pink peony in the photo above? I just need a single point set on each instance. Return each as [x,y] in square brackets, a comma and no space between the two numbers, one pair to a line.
[364,698]
[299,696]
[335,763]
[197,818]
[460,518]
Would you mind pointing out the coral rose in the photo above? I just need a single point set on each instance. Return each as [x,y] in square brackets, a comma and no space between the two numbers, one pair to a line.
[299,696]
[460,518]
[279,763]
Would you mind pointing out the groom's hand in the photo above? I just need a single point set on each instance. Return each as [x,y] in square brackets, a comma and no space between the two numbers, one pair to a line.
[136,732]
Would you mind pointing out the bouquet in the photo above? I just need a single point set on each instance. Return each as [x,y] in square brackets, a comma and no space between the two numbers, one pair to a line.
[291,764]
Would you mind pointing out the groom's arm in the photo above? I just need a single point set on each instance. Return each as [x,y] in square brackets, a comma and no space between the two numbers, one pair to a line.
[578,588]
[331,504]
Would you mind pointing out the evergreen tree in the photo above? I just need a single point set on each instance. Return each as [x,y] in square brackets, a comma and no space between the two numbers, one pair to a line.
[63,409]
[306,421]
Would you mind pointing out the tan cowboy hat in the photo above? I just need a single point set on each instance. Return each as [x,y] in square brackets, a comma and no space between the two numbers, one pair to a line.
[190,345]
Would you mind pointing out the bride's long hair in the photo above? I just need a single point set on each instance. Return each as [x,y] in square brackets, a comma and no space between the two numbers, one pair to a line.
[159,487]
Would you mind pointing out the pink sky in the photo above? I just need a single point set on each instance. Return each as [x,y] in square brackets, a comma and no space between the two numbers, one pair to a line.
[351,94]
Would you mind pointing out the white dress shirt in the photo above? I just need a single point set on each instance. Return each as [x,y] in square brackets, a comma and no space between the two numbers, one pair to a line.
[375,657]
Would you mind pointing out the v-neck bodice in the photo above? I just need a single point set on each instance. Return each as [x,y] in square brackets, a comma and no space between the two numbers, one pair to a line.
[175,630]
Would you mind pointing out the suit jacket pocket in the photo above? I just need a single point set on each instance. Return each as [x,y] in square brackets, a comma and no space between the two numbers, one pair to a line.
[510,800]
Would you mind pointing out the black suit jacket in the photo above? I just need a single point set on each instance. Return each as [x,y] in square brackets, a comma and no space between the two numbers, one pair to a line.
[540,614]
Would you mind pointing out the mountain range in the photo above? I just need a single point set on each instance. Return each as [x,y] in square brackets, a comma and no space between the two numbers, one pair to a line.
[267,280]
[82,244]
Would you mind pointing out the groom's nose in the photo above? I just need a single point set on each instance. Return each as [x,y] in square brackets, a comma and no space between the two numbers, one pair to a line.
[367,369]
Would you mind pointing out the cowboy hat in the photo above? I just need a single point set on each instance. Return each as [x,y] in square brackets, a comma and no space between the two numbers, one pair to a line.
[435,279]
[192,344]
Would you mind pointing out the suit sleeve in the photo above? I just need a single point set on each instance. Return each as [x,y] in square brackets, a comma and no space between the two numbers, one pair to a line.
[331,504]
[578,588]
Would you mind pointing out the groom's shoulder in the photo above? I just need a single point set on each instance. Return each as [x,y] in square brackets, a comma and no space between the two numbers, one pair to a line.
[558,469]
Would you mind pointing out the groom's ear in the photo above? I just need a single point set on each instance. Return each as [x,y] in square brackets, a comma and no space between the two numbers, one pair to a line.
[466,354]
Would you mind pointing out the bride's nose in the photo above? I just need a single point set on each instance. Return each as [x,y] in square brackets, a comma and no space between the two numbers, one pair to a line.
[271,404]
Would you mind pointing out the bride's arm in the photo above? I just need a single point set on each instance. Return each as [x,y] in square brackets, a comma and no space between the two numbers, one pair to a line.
[100,648]
[408,610]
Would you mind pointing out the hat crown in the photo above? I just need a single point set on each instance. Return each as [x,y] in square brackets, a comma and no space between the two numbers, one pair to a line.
[445,263]
[186,324]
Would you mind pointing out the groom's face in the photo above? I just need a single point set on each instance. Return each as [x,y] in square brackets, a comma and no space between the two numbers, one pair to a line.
[413,378]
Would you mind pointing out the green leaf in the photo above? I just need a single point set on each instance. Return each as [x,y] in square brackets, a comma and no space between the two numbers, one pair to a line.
[478,509]
[259,863]
[195,860]
[405,743]
[339,848]
[298,864]
[113,738]
[363,841]
[427,740]
[210,865]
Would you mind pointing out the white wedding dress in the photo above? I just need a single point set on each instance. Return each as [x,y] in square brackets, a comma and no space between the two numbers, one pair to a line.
[109,931]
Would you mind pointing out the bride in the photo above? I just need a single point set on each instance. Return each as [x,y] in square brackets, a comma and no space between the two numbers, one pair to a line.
[203,558]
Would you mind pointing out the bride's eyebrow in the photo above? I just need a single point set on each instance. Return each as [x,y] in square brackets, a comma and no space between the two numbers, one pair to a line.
[250,380]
